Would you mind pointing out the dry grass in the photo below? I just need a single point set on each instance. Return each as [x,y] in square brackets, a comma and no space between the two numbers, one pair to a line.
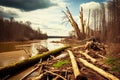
[113,53]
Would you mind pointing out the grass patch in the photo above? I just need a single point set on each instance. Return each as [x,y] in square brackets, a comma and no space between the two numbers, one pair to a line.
[114,63]
[60,63]
[110,60]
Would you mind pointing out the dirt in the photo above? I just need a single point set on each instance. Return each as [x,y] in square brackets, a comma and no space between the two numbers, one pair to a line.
[47,71]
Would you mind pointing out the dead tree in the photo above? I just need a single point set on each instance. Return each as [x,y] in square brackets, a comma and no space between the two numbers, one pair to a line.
[87,26]
[68,15]
[82,23]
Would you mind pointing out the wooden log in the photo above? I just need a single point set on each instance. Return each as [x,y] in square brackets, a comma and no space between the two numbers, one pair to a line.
[21,65]
[87,56]
[98,70]
[101,55]
[76,71]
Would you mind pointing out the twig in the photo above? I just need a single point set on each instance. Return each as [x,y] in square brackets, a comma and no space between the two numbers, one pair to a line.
[39,77]
[36,67]
[56,75]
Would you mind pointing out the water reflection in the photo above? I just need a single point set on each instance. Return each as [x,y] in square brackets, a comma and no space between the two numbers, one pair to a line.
[24,51]
[47,44]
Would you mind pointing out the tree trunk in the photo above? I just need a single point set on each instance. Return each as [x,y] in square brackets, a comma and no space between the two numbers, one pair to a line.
[76,71]
[73,23]
[18,66]
[87,26]
[98,70]
[82,23]
[87,56]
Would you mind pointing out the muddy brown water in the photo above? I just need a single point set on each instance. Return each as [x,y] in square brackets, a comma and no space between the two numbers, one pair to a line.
[9,57]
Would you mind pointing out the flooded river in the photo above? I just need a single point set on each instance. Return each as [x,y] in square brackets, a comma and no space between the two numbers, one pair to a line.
[13,52]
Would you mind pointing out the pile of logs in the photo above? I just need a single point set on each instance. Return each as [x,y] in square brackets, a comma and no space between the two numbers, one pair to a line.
[82,65]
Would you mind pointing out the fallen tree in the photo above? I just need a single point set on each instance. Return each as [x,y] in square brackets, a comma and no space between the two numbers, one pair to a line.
[98,70]
[87,56]
[76,71]
[21,65]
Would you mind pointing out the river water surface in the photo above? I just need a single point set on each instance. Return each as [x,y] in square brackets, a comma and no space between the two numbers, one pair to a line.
[25,51]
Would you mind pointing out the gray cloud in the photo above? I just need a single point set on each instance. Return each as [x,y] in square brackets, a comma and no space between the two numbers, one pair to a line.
[27,4]
[9,12]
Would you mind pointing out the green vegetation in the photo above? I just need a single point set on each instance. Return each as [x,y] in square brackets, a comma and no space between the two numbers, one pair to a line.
[60,63]
[114,63]
[21,65]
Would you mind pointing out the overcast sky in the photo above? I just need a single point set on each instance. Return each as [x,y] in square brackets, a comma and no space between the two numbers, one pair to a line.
[46,14]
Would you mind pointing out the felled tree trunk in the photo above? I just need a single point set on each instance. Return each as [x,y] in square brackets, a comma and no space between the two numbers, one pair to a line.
[16,67]
[87,56]
[77,74]
[98,70]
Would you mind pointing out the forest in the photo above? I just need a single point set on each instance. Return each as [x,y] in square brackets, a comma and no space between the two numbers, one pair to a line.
[104,22]
[11,30]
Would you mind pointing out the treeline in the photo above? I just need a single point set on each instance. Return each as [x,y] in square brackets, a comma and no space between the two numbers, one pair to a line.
[11,30]
[106,21]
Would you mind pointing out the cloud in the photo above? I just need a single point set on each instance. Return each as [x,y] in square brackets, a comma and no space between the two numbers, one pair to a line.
[49,20]
[9,12]
[90,5]
[27,4]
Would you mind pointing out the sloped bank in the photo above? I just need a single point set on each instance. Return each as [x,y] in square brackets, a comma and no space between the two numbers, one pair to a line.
[16,67]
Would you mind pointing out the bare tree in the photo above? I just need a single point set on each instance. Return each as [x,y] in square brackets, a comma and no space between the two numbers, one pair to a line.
[73,23]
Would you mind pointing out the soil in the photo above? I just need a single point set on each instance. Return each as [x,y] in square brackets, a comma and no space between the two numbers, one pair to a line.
[47,71]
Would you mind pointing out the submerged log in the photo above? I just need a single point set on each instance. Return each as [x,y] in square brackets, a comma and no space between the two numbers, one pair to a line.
[98,70]
[21,65]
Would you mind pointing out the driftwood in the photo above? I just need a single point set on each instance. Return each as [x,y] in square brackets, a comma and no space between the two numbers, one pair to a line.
[98,70]
[74,65]
[101,55]
[56,75]
[21,65]
[38,77]
[87,56]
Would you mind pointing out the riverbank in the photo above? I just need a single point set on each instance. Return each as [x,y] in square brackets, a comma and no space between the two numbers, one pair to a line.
[60,65]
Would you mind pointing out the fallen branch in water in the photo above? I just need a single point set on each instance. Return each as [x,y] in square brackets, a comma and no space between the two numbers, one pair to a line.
[21,65]
[98,70]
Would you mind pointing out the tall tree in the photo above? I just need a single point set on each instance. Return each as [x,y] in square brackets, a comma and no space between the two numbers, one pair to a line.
[73,23]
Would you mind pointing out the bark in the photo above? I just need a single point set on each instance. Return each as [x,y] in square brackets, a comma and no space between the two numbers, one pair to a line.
[87,26]
[87,56]
[73,23]
[81,18]
[98,70]
[21,65]
[74,65]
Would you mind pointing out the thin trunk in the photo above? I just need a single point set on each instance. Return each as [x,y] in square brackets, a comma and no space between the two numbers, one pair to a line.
[82,22]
